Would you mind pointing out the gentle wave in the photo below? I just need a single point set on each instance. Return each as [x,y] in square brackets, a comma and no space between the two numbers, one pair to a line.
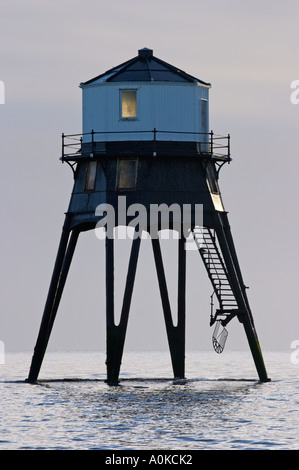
[221,404]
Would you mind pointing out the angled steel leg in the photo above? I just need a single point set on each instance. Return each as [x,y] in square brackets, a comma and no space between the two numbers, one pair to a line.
[175,334]
[116,333]
[63,260]
[226,243]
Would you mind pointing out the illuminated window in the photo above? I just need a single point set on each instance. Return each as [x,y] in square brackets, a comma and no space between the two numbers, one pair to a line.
[126,174]
[128,104]
[91,170]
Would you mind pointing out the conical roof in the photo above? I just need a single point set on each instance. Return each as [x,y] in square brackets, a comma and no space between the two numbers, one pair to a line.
[145,67]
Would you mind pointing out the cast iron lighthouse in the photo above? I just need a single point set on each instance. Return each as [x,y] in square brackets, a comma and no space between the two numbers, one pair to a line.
[147,159]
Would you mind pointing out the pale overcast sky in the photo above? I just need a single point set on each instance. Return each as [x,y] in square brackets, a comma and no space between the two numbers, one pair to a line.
[248,50]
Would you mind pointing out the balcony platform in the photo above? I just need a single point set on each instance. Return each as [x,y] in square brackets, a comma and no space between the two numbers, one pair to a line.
[163,143]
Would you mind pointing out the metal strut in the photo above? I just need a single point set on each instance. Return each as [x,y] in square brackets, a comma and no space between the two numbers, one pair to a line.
[116,333]
[224,272]
[175,333]
[64,257]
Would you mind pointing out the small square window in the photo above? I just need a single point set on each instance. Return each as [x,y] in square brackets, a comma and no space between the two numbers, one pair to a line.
[91,170]
[126,174]
[129,104]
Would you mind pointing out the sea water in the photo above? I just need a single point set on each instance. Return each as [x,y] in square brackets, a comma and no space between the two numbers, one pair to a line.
[220,406]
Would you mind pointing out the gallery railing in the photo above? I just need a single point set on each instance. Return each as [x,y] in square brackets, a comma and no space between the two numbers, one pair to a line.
[89,144]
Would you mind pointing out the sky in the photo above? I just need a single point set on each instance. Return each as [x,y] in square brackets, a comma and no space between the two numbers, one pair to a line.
[248,51]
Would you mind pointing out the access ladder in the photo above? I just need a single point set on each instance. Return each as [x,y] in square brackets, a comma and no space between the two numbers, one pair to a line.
[205,239]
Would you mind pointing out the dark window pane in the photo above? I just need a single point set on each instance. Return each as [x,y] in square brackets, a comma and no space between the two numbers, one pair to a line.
[90,180]
[126,174]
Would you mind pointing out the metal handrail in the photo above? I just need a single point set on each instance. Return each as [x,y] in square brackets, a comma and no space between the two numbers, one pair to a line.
[74,141]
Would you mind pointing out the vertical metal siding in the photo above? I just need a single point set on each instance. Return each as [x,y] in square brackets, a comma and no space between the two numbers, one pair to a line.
[164,106]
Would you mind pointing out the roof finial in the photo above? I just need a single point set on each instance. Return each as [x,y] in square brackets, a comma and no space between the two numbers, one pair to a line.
[145,53]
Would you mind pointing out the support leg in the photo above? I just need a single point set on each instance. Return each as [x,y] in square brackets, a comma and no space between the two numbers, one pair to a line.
[181,325]
[63,260]
[175,334]
[116,333]
[230,257]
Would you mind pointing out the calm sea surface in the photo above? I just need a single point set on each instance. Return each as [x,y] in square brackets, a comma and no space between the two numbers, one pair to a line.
[221,406]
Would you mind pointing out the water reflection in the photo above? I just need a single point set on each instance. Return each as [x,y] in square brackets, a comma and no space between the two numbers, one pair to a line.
[147,413]
[137,413]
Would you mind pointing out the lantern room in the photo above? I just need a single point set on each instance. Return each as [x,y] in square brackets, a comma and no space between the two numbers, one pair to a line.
[145,99]
[154,108]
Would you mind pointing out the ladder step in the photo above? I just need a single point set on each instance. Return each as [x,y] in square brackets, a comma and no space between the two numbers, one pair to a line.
[214,263]
[227,311]
[227,295]
[208,249]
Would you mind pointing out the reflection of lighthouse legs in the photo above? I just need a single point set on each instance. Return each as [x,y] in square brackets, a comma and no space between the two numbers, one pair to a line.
[175,334]
[116,333]
[63,261]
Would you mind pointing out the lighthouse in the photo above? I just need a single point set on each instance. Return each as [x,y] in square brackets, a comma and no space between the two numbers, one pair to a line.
[147,159]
